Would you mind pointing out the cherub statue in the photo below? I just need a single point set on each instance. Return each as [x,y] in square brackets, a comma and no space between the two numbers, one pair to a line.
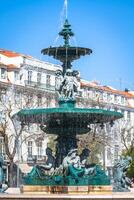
[59,81]
[70,84]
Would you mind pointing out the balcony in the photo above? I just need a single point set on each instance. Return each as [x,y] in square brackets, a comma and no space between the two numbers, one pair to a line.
[39,85]
[34,159]
[5,157]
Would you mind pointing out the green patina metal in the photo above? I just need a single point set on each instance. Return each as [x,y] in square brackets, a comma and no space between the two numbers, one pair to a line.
[68,110]
[72,53]
[66,32]
[77,179]
[67,121]
[66,53]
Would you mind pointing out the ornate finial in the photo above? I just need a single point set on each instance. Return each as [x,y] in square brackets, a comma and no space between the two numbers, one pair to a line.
[66,32]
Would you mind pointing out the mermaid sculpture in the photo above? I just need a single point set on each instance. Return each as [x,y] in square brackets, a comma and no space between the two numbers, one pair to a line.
[121,181]
[74,170]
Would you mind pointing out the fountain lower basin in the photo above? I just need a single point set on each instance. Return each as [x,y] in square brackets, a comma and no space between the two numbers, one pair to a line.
[67,118]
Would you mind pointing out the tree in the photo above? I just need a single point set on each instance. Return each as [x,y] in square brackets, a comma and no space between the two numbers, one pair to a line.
[9,129]
[96,141]
[130,152]
[127,135]
[99,137]
[127,138]
[12,101]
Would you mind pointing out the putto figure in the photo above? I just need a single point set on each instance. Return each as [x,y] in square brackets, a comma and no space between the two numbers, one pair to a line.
[59,80]
[67,86]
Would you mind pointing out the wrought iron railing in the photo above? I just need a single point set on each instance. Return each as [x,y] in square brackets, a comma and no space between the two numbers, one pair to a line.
[32,159]
[39,85]
[4,156]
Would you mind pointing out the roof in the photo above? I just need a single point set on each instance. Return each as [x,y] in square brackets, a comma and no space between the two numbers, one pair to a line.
[107,89]
[9,66]
[9,53]
[12,54]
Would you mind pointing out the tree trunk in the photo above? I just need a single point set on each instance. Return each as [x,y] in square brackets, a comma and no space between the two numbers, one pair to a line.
[11,175]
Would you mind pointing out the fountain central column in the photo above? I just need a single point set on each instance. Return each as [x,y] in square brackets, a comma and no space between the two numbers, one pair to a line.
[64,145]
[66,140]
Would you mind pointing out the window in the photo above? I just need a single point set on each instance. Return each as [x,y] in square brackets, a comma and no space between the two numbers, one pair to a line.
[39,149]
[105,96]
[29,76]
[116,136]
[38,78]
[128,137]
[122,111]
[122,100]
[116,153]
[17,97]
[93,95]
[16,76]
[3,95]
[30,99]
[116,99]
[39,100]
[47,102]
[80,93]
[109,153]
[101,96]
[30,148]
[108,98]
[128,115]
[3,73]
[2,116]
[48,80]
[2,147]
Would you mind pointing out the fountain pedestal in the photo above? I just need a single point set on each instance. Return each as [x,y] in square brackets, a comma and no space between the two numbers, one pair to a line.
[66,189]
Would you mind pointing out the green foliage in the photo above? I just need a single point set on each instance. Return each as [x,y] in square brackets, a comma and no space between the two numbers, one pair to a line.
[130,152]
[93,144]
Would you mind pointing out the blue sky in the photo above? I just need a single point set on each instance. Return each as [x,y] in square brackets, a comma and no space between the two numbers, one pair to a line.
[105,26]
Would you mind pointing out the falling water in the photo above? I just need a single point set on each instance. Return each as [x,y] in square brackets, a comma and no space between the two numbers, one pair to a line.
[56,40]
[63,16]
[66,4]
[64,13]
[75,41]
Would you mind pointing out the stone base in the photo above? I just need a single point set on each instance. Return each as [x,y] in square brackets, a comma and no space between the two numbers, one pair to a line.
[29,189]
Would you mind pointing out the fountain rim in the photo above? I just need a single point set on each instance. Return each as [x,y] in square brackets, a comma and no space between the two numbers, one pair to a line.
[66,48]
[37,111]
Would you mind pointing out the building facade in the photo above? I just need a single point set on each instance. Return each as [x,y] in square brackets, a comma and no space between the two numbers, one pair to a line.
[27,82]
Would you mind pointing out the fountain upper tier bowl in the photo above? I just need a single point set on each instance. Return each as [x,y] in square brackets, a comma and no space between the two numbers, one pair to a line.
[67,119]
[68,53]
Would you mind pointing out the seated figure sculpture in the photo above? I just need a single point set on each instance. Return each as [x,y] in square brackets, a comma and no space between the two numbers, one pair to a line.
[89,169]
[75,165]
[74,170]
[72,166]
[45,169]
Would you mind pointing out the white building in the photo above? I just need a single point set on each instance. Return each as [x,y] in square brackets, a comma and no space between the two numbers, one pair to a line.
[31,83]
[109,98]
